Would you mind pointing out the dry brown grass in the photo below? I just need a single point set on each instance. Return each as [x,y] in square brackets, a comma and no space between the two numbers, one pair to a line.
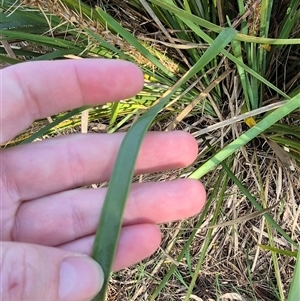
[234,263]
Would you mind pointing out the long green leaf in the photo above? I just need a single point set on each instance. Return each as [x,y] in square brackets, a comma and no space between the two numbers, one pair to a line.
[208,239]
[109,227]
[209,40]
[213,196]
[133,41]
[294,293]
[279,251]
[254,202]
[9,60]
[264,124]
[51,125]
[43,40]
[215,28]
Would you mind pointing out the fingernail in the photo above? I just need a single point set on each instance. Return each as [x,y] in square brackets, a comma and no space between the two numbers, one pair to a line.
[81,278]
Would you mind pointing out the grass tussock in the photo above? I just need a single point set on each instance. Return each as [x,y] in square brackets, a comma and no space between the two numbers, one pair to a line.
[244,244]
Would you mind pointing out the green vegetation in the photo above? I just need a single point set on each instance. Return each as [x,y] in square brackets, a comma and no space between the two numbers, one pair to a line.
[225,71]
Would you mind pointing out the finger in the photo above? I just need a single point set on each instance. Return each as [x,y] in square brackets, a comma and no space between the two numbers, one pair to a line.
[78,211]
[30,91]
[32,273]
[136,243]
[38,169]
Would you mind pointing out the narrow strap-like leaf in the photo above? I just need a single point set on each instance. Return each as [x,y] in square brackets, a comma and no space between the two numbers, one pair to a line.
[294,293]
[264,124]
[109,227]
[51,125]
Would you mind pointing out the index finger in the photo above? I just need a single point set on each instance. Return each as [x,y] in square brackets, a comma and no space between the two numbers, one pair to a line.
[34,90]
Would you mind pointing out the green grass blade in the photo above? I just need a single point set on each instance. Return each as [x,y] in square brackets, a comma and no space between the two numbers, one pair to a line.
[294,293]
[108,46]
[279,251]
[291,18]
[111,217]
[237,50]
[208,239]
[133,41]
[193,26]
[114,113]
[215,28]
[9,60]
[275,263]
[186,246]
[273,117]
[57,54]
[21,18]
[123,121]
[21,52]
[56,122]
[42,40]
[257,205]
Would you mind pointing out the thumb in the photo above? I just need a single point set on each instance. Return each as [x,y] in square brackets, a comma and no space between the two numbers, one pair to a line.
[32,273]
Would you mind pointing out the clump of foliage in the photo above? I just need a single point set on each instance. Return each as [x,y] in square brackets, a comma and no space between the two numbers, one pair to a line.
[240,100]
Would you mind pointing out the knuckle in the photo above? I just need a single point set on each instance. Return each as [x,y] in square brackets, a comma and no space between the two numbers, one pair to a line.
[75,164]
[78,221]
[8,185]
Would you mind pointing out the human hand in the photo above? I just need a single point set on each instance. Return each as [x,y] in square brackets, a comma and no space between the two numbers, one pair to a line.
[46,225]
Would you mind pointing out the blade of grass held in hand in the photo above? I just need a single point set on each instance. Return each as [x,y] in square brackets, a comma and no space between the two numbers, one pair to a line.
[109,227]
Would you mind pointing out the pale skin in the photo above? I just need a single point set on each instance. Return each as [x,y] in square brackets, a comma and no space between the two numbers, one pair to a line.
[43,218]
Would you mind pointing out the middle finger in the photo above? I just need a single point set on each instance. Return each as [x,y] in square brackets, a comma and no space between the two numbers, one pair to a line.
[67,162]
[77,212]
